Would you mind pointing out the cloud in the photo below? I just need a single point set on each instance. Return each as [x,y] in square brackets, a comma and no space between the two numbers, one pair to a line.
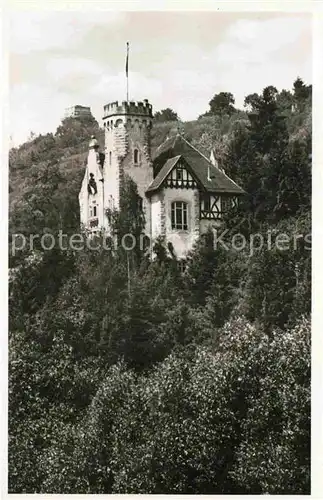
[36,108]
[112,87]
[258,53]
[73,75]
[254,41]
[43,30]
[69,58]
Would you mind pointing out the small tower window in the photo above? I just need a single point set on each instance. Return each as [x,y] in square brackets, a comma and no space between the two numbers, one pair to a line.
[136,156]
[93,210]
[140,204]
[110,157]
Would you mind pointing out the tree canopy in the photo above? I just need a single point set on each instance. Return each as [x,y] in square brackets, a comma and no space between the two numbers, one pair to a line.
[222,103]
[165,115]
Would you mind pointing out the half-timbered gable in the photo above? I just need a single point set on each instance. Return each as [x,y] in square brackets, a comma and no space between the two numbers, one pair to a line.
[176,173]
[180,177]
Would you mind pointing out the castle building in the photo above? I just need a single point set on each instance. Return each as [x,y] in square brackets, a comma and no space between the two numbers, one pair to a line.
[182,193]
[77,111]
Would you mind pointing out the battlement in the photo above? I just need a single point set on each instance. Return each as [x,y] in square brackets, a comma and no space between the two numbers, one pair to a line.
[124,108]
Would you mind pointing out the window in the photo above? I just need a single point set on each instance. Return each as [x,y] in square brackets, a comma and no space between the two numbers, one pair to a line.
[92,187]
[179,174]
[207,204]
[182,266]
[179,215]
[93,210]
[140,204]
[110,157]
[136,156]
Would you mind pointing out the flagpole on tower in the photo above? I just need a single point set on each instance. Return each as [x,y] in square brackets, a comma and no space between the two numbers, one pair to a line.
[127,77]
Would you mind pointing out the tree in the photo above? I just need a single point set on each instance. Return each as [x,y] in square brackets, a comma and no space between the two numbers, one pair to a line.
[302,93]
[222,103]
[285,101]
[166,115]
[198,421]
[32,136]
[74,131]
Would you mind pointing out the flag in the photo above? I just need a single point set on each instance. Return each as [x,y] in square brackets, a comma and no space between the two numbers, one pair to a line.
[127,59]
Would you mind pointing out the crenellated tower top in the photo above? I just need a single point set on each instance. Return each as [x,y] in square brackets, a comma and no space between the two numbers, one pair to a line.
[139,108]
[127,134]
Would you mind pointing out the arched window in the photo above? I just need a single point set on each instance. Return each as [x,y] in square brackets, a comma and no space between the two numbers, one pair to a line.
[110,157]
[136,156]
[179,215]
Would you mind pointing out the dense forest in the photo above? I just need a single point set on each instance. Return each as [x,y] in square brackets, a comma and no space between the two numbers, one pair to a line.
[128,376]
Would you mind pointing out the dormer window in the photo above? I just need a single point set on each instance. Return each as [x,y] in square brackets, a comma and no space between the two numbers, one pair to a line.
[136,156]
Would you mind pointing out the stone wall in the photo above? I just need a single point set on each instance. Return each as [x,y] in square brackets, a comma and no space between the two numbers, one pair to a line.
[122,137]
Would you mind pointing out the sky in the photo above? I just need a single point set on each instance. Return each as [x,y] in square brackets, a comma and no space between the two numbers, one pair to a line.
[176,59]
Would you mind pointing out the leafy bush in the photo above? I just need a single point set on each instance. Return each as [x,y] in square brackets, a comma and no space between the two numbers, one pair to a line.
[234,418]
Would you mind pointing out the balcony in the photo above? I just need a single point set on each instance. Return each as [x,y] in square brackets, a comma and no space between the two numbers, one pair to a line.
[94,222]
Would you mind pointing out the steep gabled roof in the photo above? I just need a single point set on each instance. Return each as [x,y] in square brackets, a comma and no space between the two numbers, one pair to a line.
[200,165]
[166,169]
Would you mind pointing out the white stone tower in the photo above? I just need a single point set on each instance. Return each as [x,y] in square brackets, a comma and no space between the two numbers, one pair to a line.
[127,151]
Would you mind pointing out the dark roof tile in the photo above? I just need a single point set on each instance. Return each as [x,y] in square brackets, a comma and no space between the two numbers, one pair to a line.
[178,146]
[170,163]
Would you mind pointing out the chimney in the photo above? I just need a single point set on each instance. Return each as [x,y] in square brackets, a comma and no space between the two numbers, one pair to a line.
[214,161]
[212,158]
[208,173]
